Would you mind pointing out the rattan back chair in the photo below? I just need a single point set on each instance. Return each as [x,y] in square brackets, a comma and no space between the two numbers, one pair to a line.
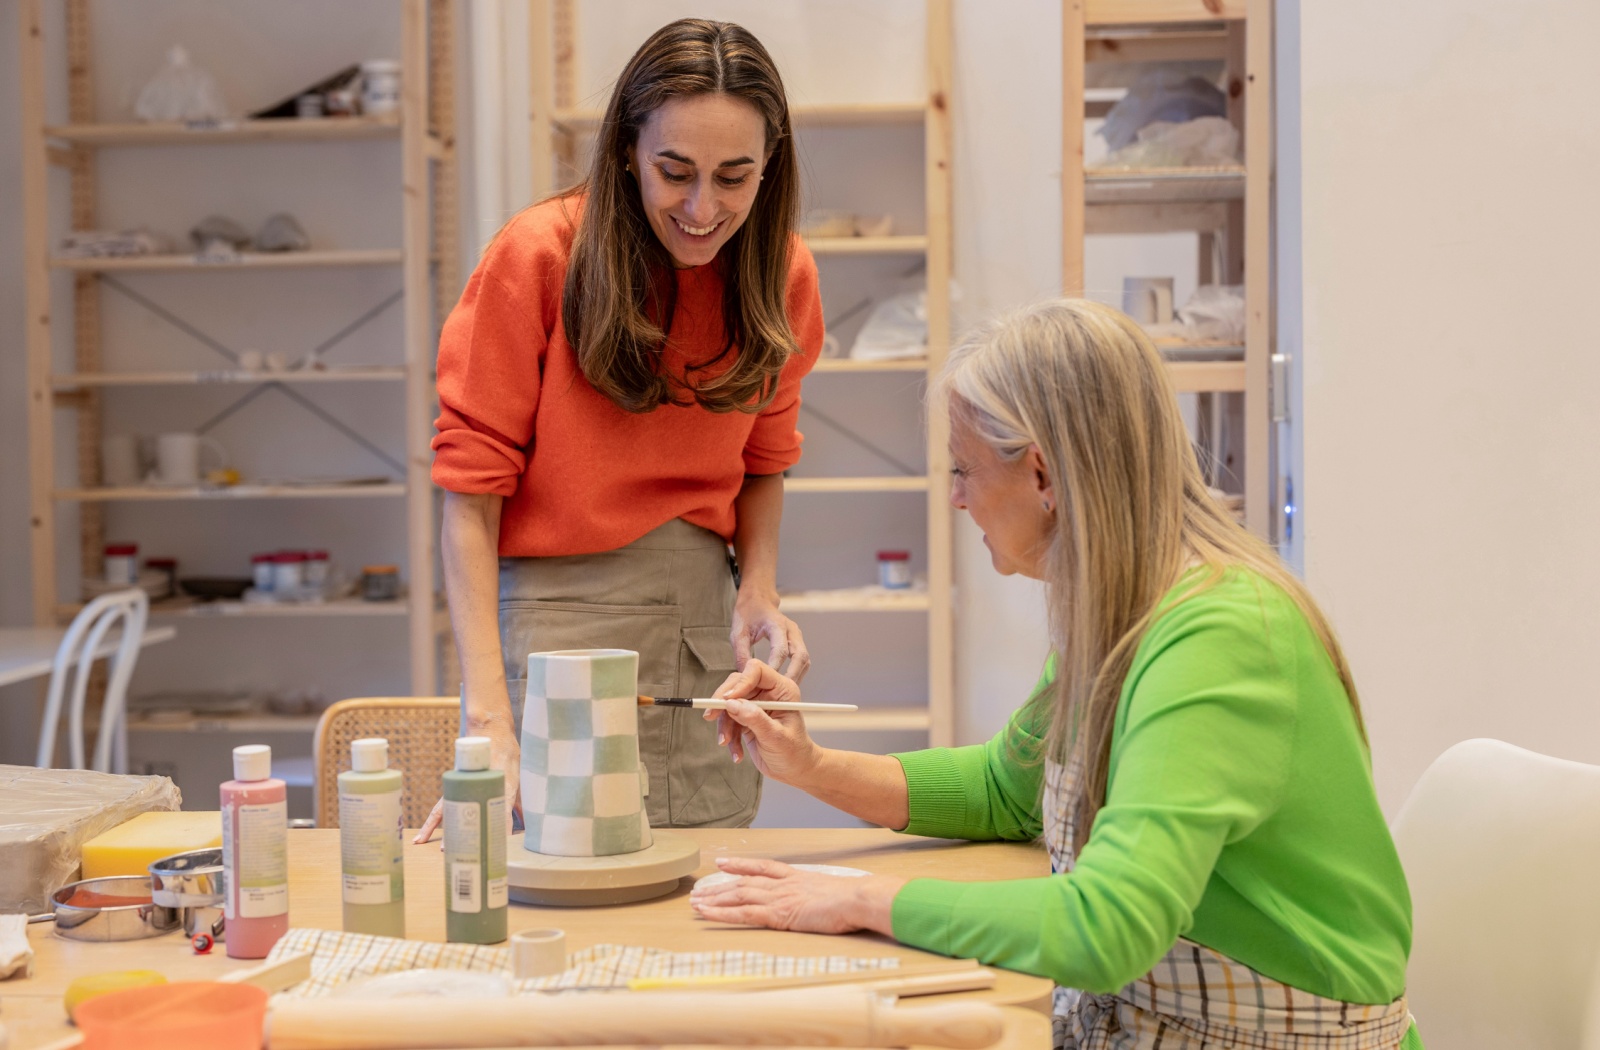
[421,731]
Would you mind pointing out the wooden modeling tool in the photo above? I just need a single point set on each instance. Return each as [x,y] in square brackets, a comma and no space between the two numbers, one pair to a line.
[810,1017]
[708,704]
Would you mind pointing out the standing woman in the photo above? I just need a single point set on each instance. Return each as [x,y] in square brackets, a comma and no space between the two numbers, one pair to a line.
[618,390]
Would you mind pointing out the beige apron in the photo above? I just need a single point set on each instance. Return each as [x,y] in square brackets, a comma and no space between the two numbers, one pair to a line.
[669,596]
[1199,999]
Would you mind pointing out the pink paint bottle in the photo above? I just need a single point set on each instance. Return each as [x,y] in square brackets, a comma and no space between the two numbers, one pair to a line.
[255,854]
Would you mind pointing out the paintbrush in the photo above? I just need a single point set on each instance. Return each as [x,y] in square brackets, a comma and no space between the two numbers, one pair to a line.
[707,704]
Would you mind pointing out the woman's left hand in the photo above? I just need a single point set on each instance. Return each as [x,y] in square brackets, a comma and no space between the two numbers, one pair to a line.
[771,893]
[756,616]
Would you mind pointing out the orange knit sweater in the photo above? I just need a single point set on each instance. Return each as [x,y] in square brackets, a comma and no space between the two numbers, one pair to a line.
[517,418]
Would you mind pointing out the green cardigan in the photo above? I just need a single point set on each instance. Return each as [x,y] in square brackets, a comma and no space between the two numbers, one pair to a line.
[1240,814]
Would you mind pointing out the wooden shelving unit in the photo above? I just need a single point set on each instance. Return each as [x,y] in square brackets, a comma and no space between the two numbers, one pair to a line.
[426,257]
[558,125]
[1229,207]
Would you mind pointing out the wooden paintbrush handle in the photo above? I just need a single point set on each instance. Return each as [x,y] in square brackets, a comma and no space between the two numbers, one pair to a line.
[809,1017]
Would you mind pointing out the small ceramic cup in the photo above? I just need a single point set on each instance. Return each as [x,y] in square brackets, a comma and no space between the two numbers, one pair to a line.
[581,790]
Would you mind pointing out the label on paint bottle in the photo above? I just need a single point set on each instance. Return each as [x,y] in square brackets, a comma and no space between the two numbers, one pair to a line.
[464,888]
[497,888]
[260,861]
[369,843]
[462,843]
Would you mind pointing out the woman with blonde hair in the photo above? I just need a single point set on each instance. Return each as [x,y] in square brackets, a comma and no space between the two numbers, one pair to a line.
[1193,757]
[618,390]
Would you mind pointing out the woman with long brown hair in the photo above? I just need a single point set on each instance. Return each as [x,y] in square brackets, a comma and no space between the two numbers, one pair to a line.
[618,390]
[1193,756]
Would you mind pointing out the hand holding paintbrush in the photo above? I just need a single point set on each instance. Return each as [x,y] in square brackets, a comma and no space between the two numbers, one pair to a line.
[721,704]
[759,717]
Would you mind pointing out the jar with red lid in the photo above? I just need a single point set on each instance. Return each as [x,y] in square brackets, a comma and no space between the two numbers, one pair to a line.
[121,564]
[315,573]
[261,572]
[894,569]
[288,573]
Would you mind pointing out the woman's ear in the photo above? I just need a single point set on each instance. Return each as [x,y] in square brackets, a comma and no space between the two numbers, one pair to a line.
[1043,487]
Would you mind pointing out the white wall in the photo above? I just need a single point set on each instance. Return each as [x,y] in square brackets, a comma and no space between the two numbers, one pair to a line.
[1452,494]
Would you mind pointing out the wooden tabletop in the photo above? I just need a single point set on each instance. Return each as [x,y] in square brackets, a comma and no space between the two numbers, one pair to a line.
[667,922]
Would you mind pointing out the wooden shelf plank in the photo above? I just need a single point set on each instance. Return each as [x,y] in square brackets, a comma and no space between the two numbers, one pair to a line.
[1193,377]
[1207,351]
[836,115]
[193,609]
[1166,217]
[330,129]
[851,364]
[1156,12]
[74,380]
[870,720]
[244,261]
[904,244]
[860,599]
[889,484]
[1162,185]
[108,495]
[1155,44]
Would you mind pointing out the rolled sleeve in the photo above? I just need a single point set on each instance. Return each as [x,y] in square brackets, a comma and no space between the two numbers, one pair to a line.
[775,439]
[490,355]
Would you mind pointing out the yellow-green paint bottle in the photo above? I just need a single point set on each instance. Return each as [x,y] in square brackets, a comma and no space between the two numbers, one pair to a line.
[371,861]
[474,846]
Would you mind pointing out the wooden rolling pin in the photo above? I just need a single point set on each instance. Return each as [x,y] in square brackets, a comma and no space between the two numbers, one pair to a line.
[807,1017]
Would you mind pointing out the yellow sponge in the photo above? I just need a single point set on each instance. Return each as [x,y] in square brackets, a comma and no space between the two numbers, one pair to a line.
[128,849]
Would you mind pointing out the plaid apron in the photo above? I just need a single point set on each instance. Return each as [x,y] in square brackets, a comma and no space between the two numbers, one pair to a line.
[1197,998]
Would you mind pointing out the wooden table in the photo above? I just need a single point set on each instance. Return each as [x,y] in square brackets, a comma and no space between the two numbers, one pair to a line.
[32,1007]
[30,652]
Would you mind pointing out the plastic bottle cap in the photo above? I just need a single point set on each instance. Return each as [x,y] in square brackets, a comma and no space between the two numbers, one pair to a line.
[252,762]
[369,755]
[472,753]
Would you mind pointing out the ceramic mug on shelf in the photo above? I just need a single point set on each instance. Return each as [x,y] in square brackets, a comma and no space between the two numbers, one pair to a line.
[178,457]
[582,785]
[1148,300]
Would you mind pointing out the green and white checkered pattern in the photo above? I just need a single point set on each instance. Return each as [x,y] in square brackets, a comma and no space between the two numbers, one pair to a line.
[581,791]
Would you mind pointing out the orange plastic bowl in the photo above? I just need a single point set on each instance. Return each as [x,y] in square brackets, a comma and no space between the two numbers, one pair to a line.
[188,1014]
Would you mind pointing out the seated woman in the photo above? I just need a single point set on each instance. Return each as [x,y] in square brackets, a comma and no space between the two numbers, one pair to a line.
[1193,757]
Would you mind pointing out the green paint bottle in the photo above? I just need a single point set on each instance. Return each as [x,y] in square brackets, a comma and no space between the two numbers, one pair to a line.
[475,831]
[370,858]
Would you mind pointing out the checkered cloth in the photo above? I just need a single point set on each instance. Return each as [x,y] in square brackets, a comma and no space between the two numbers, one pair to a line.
[1199,999]
[581,790]
[339,958]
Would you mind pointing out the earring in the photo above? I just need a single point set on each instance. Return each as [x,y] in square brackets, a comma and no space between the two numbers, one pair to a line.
[1046,505]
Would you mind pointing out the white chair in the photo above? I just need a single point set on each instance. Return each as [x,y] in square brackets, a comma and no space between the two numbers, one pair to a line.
[1501,847]
[74,658]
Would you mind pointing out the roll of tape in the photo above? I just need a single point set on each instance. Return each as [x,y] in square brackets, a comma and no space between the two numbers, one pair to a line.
[538,953]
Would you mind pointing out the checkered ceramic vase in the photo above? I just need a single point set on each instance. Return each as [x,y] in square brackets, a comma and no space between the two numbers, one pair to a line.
[581,790]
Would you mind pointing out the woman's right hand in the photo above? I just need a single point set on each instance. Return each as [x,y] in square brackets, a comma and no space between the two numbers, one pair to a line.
[776,741]
[505,755]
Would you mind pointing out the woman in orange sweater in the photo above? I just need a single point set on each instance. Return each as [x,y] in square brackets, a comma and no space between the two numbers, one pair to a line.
[618,390]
